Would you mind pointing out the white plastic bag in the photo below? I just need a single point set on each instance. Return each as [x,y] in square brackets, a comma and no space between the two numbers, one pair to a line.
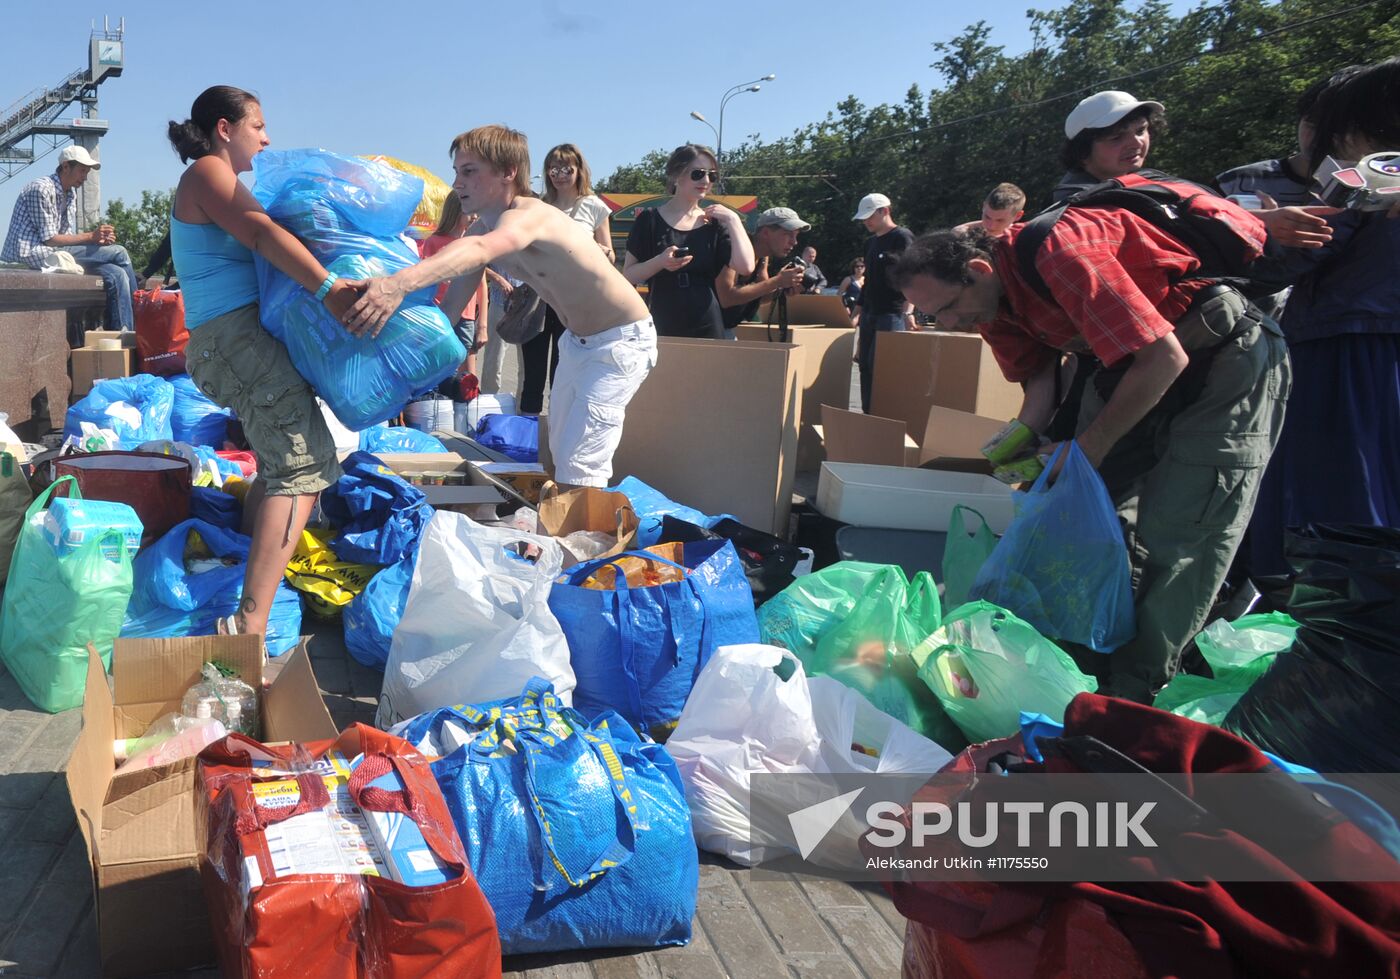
[477,624]
[742,719]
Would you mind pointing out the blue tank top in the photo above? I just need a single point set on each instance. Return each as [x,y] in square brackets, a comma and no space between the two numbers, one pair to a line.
[216,272]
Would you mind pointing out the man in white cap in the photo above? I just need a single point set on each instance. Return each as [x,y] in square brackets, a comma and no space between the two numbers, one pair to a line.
[774,239]
[883,308]
[1106,136]
[45,220]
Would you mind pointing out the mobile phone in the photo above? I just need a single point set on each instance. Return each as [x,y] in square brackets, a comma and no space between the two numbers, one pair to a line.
[682,253]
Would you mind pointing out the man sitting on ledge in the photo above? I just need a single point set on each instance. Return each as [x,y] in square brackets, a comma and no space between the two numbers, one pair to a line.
[44,222]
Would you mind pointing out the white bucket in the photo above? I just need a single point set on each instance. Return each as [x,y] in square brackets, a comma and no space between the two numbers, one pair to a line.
[429,415]
[468,416]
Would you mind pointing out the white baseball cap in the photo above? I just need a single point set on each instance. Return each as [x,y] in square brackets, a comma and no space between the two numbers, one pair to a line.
[76,154]
[1101,110]
[869,204]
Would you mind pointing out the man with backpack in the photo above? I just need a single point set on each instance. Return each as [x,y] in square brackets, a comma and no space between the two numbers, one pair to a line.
[1186,398]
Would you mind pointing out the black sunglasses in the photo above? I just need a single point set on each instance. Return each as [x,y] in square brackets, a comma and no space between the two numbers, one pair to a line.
[698,174]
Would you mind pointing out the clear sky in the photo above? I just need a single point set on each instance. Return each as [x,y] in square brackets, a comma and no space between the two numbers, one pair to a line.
[403,78]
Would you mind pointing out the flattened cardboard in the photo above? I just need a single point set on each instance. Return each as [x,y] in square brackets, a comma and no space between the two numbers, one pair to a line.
[139,827]
[854,437]
[826,377]
[714,426]
[90,365]
[915,371]
[953,441]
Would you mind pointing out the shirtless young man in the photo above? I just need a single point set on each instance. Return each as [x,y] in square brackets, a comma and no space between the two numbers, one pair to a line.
[609,343]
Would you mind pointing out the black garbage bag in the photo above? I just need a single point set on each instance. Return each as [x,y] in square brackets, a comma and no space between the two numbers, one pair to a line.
[1333,701]
[768,560]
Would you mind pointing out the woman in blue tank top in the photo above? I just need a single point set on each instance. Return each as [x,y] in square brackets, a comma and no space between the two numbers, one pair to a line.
[215,228]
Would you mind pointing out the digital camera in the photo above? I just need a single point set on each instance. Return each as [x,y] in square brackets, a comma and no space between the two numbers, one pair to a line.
[1372,184]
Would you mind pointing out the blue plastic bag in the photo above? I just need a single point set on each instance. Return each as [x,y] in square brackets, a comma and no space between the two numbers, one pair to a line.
[215,507]
[517,436]
[194,418]
[379,516]
[396,438]
[578,832]
[136,408]
[651,505]
[638,651]
[1062,565]
[349,212]
[167,600]
[372,616]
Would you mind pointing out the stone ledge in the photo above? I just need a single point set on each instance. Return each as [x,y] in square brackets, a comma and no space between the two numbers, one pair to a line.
[23,291]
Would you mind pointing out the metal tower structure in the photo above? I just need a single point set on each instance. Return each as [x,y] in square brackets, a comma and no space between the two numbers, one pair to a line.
[40,122]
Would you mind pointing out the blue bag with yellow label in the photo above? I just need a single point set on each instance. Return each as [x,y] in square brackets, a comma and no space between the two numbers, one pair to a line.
[577,831]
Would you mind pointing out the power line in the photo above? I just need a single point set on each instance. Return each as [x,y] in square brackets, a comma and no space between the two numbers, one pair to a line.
[1331,15]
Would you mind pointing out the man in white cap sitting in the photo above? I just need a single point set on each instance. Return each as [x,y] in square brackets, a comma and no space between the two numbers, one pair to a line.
[45,220]
[883,308]
[774,240]
[1106,136]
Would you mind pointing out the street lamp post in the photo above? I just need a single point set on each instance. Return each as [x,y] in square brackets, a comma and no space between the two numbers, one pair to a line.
[749,86]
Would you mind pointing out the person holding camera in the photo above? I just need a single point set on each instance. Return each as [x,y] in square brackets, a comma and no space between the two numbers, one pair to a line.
[680,248]
[774,238]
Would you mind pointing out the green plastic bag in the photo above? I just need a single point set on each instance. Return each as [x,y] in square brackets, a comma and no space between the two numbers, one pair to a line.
[964,555]
[858,623]
[14,501]
[55,605]
[986,666]
[1239,653]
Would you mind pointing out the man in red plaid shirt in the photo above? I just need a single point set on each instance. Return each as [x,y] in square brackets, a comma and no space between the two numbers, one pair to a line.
[1180,416]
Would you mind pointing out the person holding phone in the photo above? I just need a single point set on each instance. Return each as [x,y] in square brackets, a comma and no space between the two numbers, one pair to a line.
[679,248]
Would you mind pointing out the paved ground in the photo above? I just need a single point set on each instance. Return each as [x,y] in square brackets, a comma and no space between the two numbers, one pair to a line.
[743,927]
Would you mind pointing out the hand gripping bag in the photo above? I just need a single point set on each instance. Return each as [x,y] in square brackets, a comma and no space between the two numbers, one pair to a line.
[578,831]
[136,408]
[170,600]
[55,605]
[350,213]
[986,666]
[477,625]
[638,650]
[755,711]
[1062,565]
[271,925]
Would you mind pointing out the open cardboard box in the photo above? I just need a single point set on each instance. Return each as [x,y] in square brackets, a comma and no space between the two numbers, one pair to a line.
[825,376]
[915,371]
[952,440]
[139,826]
[482,489]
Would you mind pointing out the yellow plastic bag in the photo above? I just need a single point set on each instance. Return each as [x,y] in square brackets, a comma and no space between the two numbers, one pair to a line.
[435,191]
[327,583]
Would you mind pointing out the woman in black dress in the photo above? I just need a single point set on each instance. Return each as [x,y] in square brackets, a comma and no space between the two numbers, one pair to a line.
[679,248]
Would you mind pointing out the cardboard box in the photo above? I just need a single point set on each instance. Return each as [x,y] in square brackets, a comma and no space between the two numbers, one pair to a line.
[714,426]
[90,365]
[953,441]
[849,436]
[139,826]
[826,378]
[821,310]
[127,337]
[915,371]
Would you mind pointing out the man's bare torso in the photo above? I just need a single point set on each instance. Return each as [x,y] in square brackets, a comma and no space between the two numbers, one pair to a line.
[570,272]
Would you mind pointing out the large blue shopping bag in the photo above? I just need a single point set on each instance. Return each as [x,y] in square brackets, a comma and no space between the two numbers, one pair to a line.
[638,651]
[1062,565]
[577,831]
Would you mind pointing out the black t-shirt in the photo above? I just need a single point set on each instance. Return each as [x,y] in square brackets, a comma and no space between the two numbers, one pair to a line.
[683,303]
[879,296]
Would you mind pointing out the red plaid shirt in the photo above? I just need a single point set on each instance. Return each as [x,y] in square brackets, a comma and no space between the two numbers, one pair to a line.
[1115,282]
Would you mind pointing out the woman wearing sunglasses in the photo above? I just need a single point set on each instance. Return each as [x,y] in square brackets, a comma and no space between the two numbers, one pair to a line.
[679,248]
[568,186]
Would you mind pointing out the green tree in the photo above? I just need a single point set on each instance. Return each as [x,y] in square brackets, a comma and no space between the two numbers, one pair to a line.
[141,228]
